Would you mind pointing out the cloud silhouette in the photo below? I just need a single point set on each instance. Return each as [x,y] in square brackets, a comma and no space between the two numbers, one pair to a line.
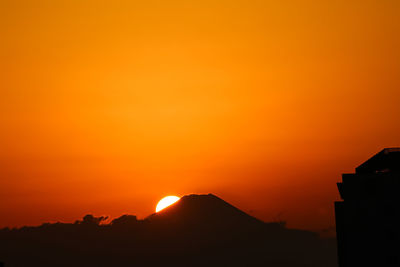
[90,219]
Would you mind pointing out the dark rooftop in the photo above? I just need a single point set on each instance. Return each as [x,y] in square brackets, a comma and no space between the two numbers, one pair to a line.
[386,161]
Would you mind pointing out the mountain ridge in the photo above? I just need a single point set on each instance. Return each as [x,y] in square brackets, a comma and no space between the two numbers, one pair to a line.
[204,208]
[199,230]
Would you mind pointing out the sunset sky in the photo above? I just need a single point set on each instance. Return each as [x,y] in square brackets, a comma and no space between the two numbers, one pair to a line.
[108,106]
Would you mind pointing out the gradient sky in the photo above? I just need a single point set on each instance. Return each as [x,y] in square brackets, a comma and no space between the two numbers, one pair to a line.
[108,106]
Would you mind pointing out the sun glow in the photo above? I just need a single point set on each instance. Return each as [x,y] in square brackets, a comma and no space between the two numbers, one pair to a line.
[165,202]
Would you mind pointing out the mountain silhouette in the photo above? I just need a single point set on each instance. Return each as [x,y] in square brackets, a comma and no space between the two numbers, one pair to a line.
[205,212]
[198,230]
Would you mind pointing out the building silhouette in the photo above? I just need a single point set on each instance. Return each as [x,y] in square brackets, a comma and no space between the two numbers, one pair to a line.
[368,217]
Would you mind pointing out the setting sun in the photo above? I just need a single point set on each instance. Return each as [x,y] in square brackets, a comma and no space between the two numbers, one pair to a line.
[165,202]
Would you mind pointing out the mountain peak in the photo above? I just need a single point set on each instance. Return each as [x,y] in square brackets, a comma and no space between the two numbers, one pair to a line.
[204,211]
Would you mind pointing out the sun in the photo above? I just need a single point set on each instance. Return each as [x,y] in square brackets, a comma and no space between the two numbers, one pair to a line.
[165,202]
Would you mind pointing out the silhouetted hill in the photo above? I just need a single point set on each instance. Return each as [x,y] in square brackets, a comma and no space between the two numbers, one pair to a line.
[199,230]
[204,211]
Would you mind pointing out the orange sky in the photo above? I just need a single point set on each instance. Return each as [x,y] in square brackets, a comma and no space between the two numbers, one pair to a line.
[107,106]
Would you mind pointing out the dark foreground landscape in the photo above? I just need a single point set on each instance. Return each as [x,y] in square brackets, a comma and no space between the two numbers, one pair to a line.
[199,230]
